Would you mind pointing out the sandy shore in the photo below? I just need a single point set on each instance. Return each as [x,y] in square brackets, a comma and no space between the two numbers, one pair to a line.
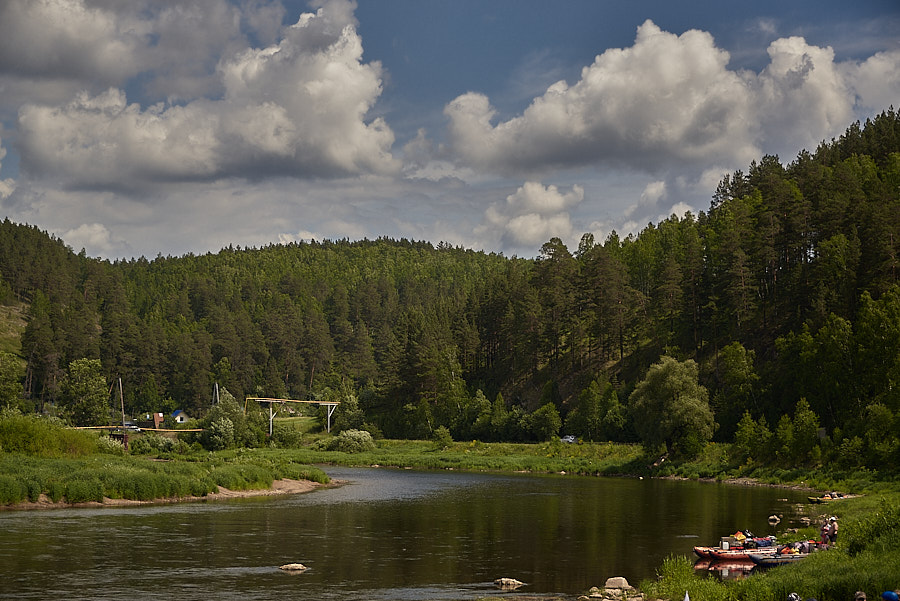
[279,487]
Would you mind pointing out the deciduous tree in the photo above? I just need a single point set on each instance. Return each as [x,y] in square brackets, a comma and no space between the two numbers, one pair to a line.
[670,408]
[84,394]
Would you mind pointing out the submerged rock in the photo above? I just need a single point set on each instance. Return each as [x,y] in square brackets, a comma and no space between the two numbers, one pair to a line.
[293,567]
[508,583]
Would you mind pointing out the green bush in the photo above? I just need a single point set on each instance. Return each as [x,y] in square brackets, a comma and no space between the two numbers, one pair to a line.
[110,446]
[11,490]
[286,436]
[241,476]
[442,439]
[44,437]
[676,577]
[82,491]
[219,434]
[862,533]
[351,441]
[152,443]
[34,489]
[56,491]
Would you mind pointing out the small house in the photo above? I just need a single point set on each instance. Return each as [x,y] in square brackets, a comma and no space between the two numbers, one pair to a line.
[180,416]
[151,420]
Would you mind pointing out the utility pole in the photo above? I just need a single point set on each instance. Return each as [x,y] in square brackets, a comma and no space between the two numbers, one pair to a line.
[122,403]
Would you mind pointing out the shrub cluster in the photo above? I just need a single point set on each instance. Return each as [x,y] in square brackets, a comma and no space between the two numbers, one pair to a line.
[348,441]
[155,443]
[42,436]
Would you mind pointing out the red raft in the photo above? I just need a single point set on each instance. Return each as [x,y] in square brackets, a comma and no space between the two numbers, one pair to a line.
[739,554]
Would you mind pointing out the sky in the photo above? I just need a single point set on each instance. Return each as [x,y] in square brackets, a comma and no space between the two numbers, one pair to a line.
[165,127]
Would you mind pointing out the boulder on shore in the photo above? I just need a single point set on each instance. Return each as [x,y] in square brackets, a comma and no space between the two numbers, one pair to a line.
[618,582]
[615,589]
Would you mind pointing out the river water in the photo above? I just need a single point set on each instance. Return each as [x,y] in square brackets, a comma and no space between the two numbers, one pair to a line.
[387,534]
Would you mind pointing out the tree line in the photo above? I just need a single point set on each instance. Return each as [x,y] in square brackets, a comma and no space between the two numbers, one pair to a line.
[782,298]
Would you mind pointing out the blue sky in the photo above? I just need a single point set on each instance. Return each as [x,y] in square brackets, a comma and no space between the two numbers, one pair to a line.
[153,127]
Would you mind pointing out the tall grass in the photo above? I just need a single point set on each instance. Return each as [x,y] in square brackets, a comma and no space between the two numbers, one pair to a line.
[676,577]
[550,457]
[44,437]
[91,478]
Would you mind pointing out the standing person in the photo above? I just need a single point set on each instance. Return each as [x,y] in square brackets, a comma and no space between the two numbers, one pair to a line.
[832,529]
[824,532]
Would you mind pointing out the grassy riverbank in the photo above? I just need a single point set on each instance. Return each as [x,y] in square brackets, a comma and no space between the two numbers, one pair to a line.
[42,459]
[867,556]
[92,478]
[551,457]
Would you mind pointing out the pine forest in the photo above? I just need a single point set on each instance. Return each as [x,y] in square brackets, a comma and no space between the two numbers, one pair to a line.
[771,321]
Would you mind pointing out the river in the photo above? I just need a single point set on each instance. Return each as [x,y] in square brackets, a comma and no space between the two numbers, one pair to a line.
[386,535]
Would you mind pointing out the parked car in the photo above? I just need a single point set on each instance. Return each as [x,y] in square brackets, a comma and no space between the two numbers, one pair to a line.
[568,438]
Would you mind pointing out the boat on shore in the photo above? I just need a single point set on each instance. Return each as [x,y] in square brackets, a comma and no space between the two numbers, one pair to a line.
[729,569]
[739,554]
[776,559]
[732,548]
[830,496]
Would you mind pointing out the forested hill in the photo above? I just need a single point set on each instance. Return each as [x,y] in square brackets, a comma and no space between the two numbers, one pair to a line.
[786,288]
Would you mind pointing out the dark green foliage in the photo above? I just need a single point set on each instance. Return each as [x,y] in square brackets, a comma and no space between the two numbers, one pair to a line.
[11,490]
[10,380]
[598,415]
[84,395]
[286,436]
[242,476]
[227,426]
[82,491]
[670,409]
[787,288]
[442,438]
[45,437]
[545,423]
[350,441]
[878,528]
[151,442]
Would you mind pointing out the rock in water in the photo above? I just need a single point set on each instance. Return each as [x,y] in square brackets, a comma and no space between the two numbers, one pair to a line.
[293,567]
[508,583]
[617,582]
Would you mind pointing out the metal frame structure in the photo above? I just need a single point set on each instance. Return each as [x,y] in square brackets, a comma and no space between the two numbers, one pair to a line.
[332,405]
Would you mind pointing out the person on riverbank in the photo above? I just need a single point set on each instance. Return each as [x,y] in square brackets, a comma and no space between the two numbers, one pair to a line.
[859,596]
[832,529]
[824,532]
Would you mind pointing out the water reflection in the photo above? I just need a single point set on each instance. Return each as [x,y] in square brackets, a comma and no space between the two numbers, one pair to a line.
[388,534]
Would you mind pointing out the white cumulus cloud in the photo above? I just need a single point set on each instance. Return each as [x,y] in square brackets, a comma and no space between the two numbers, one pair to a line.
[6,185]
[91,235]
[533,214]
[671,102]
[667,98]
[296,108]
